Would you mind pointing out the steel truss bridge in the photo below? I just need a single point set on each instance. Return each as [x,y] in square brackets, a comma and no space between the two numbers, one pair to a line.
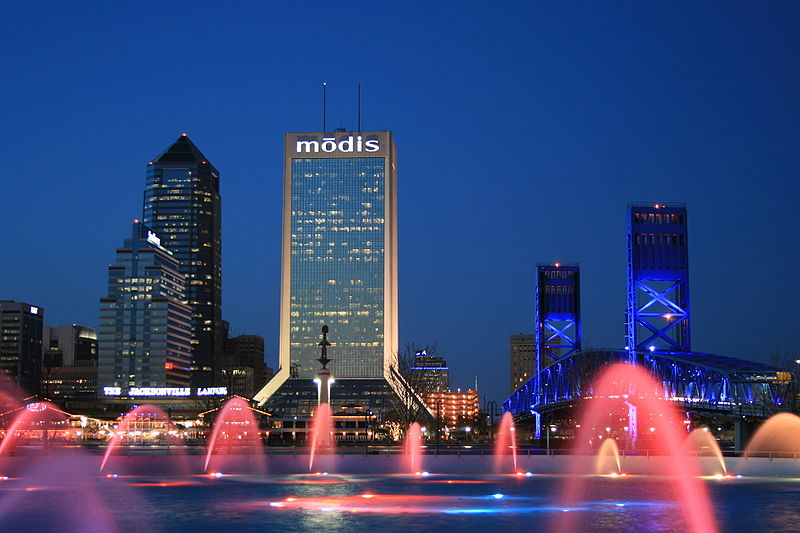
[697,382]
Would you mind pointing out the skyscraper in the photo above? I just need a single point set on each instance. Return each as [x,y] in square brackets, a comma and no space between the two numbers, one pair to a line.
[182,206]
[339,265]
[21,343]
[145,323]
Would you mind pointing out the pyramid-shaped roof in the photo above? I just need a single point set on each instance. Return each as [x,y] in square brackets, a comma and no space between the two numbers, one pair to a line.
[181,151]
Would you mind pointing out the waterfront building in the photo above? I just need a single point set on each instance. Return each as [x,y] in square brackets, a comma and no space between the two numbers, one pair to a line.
[454,408]
[145,322]
[339,268]
[522,351]
[69,362]
[350,424]
[21,343]
[182,206]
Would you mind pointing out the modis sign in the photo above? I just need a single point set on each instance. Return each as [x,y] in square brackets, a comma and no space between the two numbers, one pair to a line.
[329,145]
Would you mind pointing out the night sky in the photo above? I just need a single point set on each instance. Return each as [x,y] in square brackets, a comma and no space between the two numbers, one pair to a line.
[523,131]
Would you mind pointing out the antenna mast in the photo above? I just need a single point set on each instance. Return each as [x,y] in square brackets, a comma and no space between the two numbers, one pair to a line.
[324,107]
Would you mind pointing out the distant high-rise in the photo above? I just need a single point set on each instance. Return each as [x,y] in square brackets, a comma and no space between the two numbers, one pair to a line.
[145,323]
[339,268]
[522,352]
[21,343]
[69,362]
[244,371]
[182,206]
[658,315]
[429,373]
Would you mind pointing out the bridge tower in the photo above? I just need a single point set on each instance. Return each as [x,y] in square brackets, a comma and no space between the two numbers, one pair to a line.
[658,314]
[558,315]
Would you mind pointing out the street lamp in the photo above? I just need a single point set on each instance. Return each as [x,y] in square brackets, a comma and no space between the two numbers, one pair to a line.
[491,407]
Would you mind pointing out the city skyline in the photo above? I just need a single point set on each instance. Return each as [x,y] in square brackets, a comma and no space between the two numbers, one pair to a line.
[521,146]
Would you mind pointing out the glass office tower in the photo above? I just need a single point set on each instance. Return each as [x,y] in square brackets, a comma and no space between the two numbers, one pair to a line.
[339,261]
[144,337]
[182,206]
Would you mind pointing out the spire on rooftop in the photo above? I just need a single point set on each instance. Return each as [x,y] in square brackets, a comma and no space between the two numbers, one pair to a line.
[181,151]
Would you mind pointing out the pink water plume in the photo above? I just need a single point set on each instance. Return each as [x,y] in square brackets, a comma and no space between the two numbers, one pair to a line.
[321,433]
[39,421]
[659,426]
[413,449]
[505,442]
[144,423]
[235,442]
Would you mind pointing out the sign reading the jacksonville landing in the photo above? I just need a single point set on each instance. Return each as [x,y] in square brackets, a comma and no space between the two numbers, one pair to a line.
[349,144]
[166,391]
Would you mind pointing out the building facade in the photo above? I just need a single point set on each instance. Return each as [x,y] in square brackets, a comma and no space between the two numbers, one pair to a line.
[454,408]
[69,362]
[429,373]
[339,262]
[244,371]
[145,323]
[522,352]
[21,343]
[182,206]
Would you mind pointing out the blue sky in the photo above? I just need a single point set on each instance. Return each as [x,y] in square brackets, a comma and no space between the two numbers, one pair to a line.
[523,130]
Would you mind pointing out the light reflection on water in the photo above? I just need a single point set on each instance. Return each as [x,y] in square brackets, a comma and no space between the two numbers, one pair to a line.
[398,504]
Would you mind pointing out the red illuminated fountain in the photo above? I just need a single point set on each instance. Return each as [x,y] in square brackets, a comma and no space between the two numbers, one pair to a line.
[623,390]
[235,443]
[36,422]
[321,434]
[505,443]
[413,449]
[55,483]
[146,424]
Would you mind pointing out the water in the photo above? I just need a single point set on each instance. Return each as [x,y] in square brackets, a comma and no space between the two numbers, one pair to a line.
[505,443]
[613,391]
[412,449]
[235,444]
[321,436]
[465,504]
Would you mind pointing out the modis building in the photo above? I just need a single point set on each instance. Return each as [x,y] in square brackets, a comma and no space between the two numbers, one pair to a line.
[339,268]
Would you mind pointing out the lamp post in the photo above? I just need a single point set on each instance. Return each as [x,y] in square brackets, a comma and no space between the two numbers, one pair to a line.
[491,407]
[324,375]
[367,414]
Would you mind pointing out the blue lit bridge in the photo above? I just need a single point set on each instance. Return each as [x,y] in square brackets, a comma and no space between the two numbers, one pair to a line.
[696,382]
